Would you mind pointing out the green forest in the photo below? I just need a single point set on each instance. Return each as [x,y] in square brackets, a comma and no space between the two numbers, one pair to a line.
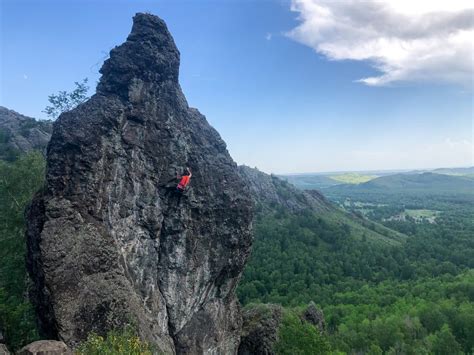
[19,180]
[411,297]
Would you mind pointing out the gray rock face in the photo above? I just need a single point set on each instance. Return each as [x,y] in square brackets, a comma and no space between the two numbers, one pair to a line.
[109,239]
[21,134]
[270,190]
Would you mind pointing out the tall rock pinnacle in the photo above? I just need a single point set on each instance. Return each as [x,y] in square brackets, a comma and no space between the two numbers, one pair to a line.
[109,240]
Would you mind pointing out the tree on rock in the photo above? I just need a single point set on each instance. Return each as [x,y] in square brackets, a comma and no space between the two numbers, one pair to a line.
[65,101]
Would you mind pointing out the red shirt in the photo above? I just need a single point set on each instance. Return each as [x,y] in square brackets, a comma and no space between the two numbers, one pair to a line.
[184,182]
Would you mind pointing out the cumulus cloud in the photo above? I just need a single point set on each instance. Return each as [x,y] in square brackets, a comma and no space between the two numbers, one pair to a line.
[406,40]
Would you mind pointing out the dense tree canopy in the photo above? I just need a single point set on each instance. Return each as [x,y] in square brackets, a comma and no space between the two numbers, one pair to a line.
[18,182]
[415,297]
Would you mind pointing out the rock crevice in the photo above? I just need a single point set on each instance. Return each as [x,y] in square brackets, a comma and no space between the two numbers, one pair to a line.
[110,242]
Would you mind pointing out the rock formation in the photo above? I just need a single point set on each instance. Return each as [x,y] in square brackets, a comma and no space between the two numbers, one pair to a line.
[262,324]
[315,316]
[260,329]
[271,191]
[109,240]
[42,347]
[21,134]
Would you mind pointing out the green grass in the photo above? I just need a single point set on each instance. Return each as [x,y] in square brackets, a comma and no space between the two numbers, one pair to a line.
[125,342]
[352,178]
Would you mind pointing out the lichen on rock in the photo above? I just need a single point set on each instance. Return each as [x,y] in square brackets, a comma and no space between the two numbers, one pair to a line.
[110,242]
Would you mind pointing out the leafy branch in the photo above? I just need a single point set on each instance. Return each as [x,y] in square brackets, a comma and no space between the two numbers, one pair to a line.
[65,101]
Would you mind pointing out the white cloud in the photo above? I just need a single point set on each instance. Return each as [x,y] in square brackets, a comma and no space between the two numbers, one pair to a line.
[25,76]
[268,36]
[406,40]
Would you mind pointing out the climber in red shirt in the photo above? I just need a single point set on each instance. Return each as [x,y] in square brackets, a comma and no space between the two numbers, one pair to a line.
[170,188]
[185,179]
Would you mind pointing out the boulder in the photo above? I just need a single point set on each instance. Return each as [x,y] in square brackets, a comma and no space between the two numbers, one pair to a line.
[45,347]
[260,329]
[315,316]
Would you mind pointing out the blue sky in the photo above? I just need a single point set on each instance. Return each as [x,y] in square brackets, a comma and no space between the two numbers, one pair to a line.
[285,97]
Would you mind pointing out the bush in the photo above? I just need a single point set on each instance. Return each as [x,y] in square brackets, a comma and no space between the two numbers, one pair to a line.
[297,337]
[124,342]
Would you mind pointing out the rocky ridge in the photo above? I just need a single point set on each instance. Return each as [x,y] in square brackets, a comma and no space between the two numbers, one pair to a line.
[21,134]
[272,191]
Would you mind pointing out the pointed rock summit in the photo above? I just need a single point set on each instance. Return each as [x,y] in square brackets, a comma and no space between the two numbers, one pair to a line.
[110,242]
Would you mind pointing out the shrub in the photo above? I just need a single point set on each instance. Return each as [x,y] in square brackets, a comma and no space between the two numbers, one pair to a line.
[297,337]
[116,342]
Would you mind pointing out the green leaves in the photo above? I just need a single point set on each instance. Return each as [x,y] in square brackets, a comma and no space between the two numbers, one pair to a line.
[124,342]
[395,299]
[65,101]
[297,337]
[18,183]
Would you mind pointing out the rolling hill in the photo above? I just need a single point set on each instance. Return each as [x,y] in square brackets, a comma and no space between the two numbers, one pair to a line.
[278,197]
[420,184]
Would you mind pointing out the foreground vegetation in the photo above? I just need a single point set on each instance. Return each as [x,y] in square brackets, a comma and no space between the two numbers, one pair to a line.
[125,342]
[19,180]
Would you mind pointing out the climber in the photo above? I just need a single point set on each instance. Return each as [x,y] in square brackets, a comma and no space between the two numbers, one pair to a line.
[171,189]
[185,179]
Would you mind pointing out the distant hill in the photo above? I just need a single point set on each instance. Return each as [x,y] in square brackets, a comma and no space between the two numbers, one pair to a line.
[270,191]
[310,181]
[20,134]
[424,183]
[320,181]
[275,195]
[455,171]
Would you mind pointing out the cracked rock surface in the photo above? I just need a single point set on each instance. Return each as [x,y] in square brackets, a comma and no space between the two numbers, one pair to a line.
[109,240]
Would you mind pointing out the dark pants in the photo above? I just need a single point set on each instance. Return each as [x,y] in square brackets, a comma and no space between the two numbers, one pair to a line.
[174,193]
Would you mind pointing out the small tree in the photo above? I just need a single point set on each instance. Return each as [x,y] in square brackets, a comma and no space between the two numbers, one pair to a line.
[300,337]
[445,342]
[65,101]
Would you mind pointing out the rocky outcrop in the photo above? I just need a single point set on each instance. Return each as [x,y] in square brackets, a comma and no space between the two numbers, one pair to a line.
[3,347]
[270,191]
[110,241]
[315,316]
[260,329]
[262,324]
[42,347]
[4,350]
[21,134]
